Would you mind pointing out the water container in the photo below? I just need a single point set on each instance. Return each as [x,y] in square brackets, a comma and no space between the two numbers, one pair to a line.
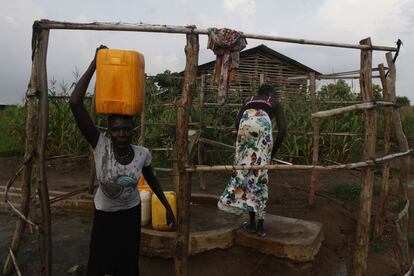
[145,207]
[120,82]
[143,185]
[159,221]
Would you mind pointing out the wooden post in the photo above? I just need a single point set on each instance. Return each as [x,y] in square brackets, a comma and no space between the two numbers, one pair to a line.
[404,177]
[92,172]
[29,150]
[45,230]
[142,129]
[402,250]
[315,139]
[401,138]
[184,191]
[200,145]
[380,218]
[364,216]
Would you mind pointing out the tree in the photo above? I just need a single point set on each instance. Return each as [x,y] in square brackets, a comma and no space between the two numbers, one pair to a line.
[402,100]
[339,90]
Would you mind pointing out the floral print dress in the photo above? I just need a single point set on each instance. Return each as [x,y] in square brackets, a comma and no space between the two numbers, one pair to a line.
[247,189]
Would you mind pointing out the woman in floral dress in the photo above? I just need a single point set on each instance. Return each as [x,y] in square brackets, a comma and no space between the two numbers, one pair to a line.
[247,190]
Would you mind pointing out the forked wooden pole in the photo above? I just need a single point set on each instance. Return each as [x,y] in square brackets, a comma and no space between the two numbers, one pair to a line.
[402,248]
[142,128]
[401,138]
[29,151]
[200,146]
[365,201]
[92,169]
[184,190]
[380,218]
[45,228]
[315,139]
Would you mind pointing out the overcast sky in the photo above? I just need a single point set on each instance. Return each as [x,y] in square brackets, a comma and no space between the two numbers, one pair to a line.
[346,21]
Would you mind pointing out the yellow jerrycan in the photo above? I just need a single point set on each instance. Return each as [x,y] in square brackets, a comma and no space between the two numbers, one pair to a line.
[159,221]
[120,82]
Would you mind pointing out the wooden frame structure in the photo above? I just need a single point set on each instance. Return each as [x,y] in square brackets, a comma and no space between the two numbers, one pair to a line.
[37,100]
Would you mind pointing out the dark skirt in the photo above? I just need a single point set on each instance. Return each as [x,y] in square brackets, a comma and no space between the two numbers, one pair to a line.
[115,240]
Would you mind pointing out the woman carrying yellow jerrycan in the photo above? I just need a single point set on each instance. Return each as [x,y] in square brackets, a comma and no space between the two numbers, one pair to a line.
[116,230]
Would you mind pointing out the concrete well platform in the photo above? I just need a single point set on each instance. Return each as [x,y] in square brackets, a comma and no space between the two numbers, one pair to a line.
[293,239]
[290,238]
[210,229]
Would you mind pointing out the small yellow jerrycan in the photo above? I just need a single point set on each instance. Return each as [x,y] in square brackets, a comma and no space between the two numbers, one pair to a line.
[158,212]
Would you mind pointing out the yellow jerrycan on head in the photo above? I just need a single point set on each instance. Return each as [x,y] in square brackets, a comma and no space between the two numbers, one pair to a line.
[120,82]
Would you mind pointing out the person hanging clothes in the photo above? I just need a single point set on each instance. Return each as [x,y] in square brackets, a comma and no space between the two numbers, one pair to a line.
[226,45]
[247,190]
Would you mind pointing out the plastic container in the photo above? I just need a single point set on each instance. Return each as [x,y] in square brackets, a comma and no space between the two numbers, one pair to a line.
[145,207]
[159,221]
[120,82]
[142,184]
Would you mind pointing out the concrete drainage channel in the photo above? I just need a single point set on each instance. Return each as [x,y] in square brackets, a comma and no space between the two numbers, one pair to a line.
[293,239]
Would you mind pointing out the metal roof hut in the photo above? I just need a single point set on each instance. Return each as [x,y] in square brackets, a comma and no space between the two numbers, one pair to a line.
[262,64]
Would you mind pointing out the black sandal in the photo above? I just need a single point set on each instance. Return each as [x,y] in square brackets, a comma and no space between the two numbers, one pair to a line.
[246,227]
[261,234]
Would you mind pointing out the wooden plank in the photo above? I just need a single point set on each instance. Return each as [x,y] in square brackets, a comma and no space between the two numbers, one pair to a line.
[365,201]
[184,191]
[315,140]
[29,150]
[45,228]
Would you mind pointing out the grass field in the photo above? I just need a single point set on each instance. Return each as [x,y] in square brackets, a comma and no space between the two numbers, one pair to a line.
[11,142]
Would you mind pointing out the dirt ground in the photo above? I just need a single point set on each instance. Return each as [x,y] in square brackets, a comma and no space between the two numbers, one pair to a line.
[287,197]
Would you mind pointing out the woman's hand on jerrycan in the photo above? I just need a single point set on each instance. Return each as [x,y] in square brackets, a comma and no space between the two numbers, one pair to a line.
[170,218]
[99,48]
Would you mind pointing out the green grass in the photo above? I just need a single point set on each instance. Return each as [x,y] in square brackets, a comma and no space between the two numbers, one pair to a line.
[376,189]
[11,140]
[410,237]
[346,191]
[394,207]
[376,246]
